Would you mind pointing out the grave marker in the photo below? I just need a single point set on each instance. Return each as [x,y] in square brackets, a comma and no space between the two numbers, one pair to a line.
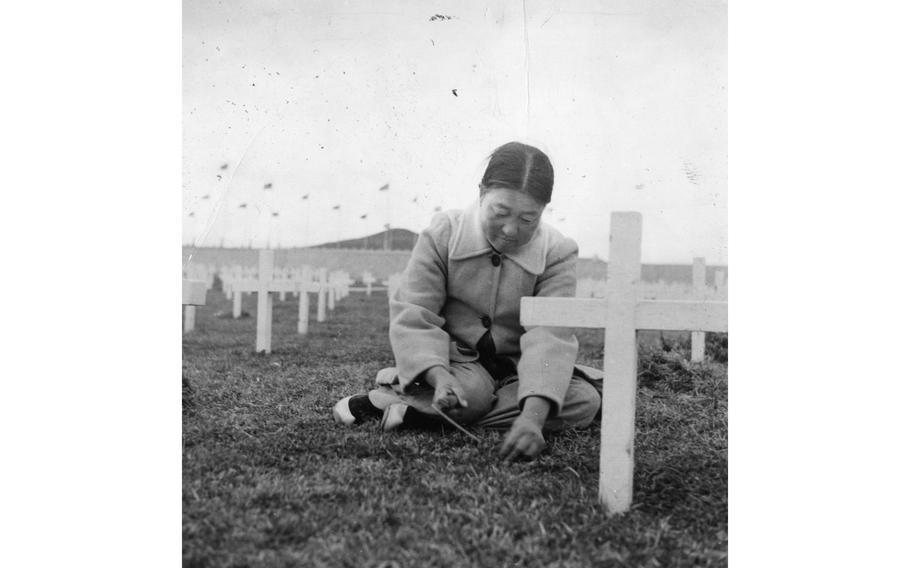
[305,285]
[264,287]
[193,295]
[320,299]
[368,279]
[621,314]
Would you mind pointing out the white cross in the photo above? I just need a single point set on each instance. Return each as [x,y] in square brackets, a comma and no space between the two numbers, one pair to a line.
[621,314]
[332,290]
[323,292]
[368,279]
[228,276]
[306,284]
[263,287]
[193,295]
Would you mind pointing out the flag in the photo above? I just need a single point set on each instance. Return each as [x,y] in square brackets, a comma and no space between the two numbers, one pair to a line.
[274,213]
[337,207]
[223,166]
[384,188]
[267,186]
[364,216]
[243,205]
[307,196]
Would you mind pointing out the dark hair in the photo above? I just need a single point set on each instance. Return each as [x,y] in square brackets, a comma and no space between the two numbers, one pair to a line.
[520,167]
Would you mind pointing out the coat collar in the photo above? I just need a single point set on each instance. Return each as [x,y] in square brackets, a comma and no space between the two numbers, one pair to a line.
[469,242]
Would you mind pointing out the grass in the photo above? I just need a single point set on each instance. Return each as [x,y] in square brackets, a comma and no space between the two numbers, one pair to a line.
[270,480]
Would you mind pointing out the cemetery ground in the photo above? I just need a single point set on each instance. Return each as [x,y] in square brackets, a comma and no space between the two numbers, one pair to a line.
[270,480]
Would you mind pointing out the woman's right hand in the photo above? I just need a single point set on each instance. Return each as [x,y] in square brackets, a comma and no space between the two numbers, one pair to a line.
[448,394]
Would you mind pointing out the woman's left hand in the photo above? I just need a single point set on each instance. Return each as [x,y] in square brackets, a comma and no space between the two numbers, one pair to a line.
[524,440]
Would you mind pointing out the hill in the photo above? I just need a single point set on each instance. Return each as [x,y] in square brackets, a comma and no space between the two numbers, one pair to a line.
[393,239]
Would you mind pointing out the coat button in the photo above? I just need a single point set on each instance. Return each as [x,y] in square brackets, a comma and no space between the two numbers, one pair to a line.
[496,260]
[485,320]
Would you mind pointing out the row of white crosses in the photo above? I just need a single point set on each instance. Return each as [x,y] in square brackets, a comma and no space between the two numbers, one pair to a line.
[620,314]
[390,284]
[237,280]
[328,289]
[340,286]
[661,290]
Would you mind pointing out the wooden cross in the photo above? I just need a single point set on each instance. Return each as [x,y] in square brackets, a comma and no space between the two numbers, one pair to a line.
[321,299]
[621,314]
[345,282]
[368,279]
[332,290]
[305,285]
[264,286]
[193,295]
[281,275]
[228,275]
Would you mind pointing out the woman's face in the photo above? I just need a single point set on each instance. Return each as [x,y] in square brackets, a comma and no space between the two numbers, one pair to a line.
[509,218]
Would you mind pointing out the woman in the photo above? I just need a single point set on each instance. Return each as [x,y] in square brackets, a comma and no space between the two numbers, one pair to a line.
[454,322]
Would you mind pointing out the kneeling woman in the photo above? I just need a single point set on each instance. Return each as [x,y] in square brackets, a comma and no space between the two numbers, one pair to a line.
[454,322]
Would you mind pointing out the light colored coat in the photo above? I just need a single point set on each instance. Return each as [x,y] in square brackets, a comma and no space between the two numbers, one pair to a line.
[450,284]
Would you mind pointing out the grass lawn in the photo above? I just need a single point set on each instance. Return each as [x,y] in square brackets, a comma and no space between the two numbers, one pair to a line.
[270,480]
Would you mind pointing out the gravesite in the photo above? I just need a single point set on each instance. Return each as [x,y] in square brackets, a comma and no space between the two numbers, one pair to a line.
[454,283]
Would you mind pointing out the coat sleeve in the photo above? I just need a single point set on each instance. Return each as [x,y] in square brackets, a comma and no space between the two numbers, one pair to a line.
[548,353]
[415,324]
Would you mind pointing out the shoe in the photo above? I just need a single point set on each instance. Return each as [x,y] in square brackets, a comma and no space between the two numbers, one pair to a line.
[393,417]
[354,409]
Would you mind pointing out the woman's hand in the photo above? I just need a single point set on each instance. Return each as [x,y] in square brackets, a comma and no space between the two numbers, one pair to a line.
[448,393]
[525,438]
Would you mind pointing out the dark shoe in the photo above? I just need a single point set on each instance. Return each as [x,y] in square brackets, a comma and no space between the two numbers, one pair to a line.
[354,409]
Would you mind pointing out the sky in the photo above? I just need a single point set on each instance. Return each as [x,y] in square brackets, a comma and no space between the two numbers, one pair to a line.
[291,109]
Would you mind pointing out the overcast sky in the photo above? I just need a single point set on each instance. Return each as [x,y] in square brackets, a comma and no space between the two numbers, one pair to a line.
[332,100]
